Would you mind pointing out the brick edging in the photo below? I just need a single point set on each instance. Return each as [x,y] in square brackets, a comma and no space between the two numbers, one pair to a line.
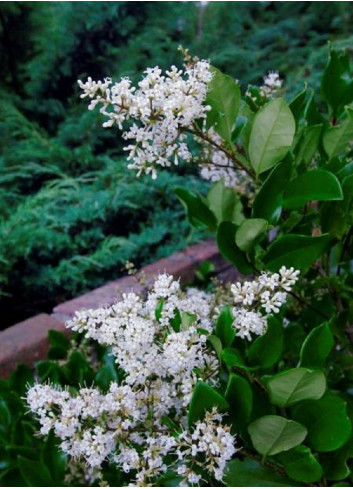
[27,341]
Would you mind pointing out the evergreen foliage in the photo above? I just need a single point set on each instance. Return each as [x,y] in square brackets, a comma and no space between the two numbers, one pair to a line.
[52,149]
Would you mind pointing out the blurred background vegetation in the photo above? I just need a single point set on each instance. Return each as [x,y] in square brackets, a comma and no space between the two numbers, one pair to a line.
[71,214]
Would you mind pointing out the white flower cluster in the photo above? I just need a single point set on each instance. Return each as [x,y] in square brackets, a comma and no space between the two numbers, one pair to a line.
[261,297]
[272,83]
[212,441]
[159,343]
[216,165]
[161,108]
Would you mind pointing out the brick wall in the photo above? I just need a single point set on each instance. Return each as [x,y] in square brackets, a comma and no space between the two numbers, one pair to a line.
[27,341]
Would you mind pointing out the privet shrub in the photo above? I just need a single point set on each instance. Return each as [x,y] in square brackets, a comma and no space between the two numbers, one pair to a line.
[245,385]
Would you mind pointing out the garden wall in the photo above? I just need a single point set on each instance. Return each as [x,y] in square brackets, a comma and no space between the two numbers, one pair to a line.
[27,341]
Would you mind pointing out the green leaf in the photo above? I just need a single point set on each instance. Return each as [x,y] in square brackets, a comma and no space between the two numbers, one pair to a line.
[271,135]
[224,98]
[292,386]
[159,309]
[204,398]
[54,459]
[275,434]
[21,378]
[35,473]
[50,370]
[311,113]
[249,473]
[301,465]
[248,231]
[266,350]
[232,358]
[312,185]
[347,187]
[58,339]
[334,82]
[59,345]
[240,399]
[326,420]
[268,202]
[336,139]
[187,320]
[225,203]
[216,344]
[295,250]
[308,143]
[78,368]
[198,213]
[224,326]
[297,105]
[107,373]
[316,347]
[228,248]
[335,463]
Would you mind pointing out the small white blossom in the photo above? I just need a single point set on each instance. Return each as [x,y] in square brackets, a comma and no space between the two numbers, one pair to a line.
[160,108]
[272,83]
[261,297]
[209,446]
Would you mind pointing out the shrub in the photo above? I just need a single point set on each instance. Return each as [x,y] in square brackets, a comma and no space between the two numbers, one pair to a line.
[244,383]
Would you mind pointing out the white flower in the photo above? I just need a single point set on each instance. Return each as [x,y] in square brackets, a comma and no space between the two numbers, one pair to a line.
[272,83]
[160,108]
[266,295]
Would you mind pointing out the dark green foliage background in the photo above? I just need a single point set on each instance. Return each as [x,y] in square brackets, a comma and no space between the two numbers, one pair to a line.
[71,214]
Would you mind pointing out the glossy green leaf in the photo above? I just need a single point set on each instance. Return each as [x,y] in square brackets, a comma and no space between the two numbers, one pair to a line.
[266,350]
[107,372]
[316,347]
[224,326]
[216,343]
[335,80]
[268,202]
[249,473]
[159,309]
[312,185]
[347,187]
[301,465]
[232,358]
[35,473]
[203,399]
[240,399]
[308,143]
[50,370]
[224,98]
[58,339]
[54,459]
[295,250]
[248,232]
[78,368]
[337,139]
[297,105]
[198,213]
[228,248]
[225,203]
[291,386]
[271,135]
[275,434]
[327,422]
[21,377]
[335,464]
[311,112]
